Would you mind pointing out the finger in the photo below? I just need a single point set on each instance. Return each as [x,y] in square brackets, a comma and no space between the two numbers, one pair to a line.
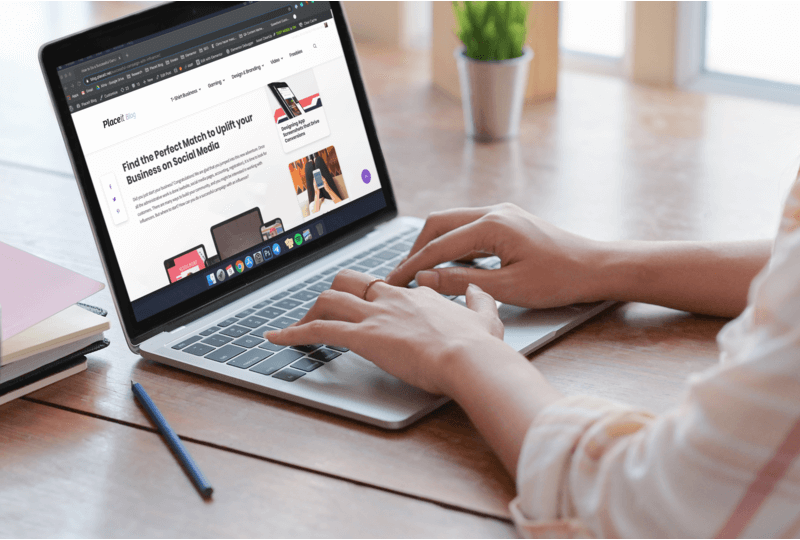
[352,282]
[336,333]
[448,247]
[455,280]
[439,223]
[480,301]
[485,306]
[334,305]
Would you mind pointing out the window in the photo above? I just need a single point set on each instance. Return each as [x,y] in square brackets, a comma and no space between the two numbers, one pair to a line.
[758,40]
[749,49]
[595,28]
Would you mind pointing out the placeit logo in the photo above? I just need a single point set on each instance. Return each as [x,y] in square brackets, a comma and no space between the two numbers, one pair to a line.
[118,119]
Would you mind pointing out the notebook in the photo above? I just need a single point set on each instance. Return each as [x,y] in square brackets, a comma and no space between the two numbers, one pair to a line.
[32,289]
[69,331]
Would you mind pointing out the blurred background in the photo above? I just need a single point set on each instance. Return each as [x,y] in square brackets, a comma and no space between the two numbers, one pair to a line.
[749,49]
[620,94]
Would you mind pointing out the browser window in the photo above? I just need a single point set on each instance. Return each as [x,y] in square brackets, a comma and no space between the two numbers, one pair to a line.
[243,123]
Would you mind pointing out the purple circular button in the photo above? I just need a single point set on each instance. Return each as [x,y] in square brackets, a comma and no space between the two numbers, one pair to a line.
[365,176]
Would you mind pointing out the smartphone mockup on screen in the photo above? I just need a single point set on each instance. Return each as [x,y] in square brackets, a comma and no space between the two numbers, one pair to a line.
[188,262]
[318,179]
[288,101]
[271,229]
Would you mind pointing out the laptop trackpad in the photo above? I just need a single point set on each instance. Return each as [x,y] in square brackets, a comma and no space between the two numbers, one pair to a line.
[528,329]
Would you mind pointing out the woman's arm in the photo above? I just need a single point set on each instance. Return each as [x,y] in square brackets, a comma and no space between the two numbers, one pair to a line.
[334,196]
[702,277]
[544,266]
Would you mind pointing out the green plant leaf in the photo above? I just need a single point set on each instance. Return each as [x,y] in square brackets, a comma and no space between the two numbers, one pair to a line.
[491,30]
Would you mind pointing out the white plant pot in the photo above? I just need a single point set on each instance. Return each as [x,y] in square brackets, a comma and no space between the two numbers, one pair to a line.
[492,94]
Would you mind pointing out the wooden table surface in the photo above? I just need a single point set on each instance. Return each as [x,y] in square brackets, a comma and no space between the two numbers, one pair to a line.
[606,159]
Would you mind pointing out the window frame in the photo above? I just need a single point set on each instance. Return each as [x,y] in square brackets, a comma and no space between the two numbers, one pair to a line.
[691,73]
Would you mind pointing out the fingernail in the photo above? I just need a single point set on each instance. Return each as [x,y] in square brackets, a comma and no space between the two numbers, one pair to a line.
[272,333]
[428,278]
[474,287]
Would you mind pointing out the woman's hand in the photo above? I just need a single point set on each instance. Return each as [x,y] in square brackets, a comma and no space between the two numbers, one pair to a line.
[434,344]
[333,195]
[414,334]
[542,265]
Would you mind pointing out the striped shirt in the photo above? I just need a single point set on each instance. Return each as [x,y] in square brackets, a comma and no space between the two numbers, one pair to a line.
[723,463]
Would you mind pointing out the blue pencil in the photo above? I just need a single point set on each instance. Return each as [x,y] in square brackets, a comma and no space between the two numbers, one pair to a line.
[172,440]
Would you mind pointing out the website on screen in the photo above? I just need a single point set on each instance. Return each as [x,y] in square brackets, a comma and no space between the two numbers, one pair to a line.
[204,161]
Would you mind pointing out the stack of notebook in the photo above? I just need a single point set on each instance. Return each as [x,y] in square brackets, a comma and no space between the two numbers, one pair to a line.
[44,332]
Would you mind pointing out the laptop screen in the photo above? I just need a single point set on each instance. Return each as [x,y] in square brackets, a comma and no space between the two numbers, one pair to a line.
[219,146]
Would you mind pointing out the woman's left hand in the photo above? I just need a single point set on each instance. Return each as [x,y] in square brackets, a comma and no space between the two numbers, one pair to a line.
[414,334]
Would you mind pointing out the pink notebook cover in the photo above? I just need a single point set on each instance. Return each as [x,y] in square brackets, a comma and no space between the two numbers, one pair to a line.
[33,289]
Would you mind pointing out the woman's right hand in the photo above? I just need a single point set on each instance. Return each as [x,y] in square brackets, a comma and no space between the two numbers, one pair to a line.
[542,265]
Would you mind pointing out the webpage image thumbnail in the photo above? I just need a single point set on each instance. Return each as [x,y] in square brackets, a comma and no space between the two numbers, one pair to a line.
[318,181]
[297,110]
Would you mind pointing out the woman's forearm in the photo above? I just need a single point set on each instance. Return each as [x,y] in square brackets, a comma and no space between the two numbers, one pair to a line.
[703,277]
[501,392]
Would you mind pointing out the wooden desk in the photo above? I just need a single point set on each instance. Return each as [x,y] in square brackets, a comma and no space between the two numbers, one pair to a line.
[606,159]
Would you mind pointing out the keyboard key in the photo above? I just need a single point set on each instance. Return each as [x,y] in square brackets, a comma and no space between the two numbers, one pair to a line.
[225,353]
[306,364]
[363,254]
[245,313]
[298,313]
[252,321]
[305,296]
[320,287]
[282,322]
[306,348]
[289,375]
[280,295]
[297,287]
[259,332]
[248,341]
[227,322]
[186,342]
[235,331]
[288,303]
[277,361]
[209,331]
[325,355]
[348,262]
[381,272]
[340,349]
[261,304]
[271,312]
[271,346]
[359,268]
[372,262]
[198,349]
[329,271]
[249,359]
[216,340]
[312,280]
[387,254]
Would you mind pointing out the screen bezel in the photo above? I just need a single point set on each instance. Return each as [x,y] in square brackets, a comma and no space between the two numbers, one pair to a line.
[144,24]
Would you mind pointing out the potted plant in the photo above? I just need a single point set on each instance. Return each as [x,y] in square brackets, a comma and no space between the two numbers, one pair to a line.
[492,66]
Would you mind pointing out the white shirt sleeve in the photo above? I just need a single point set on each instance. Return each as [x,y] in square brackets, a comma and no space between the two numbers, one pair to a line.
[723,462]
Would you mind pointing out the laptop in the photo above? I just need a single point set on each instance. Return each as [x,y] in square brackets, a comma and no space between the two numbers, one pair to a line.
[194,128]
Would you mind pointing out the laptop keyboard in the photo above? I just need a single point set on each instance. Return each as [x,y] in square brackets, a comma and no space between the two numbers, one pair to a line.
[239,342]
